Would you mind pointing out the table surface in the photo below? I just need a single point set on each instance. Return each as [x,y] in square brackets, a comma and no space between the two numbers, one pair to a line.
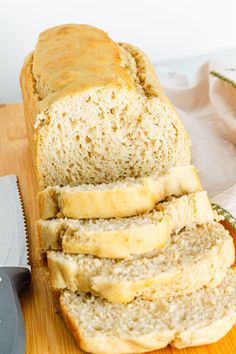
[46,332]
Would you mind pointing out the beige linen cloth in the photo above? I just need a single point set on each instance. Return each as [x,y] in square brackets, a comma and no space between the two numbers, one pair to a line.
[207,106]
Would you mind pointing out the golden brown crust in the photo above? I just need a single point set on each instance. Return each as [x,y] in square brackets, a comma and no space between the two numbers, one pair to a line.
[73,58]
[30,103]
[59,66]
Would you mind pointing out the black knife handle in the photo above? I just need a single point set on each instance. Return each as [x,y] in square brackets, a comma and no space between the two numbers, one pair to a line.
[12,334]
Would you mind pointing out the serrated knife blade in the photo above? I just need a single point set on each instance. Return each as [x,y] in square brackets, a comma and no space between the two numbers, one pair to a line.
[13,232]
[14,266]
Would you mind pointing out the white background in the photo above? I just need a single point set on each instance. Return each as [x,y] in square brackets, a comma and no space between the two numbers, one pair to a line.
[165,29]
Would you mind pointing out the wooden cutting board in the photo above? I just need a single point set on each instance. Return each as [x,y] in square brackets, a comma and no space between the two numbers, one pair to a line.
[45,330]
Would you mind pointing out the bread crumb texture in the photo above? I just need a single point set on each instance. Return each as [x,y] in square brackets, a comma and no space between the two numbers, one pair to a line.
[123,198]
[122,237]
[202,317]
[101,115]
[192,258]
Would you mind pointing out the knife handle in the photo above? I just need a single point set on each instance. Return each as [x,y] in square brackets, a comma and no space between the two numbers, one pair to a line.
[12,335]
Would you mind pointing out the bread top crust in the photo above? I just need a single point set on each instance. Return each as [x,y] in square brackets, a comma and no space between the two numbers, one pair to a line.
[74,58]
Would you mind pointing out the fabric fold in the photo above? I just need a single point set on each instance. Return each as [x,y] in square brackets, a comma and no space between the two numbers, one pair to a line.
[207,106]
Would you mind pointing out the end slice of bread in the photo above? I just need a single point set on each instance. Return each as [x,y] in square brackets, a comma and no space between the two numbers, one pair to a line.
[120,199]
[202,317]
[120,238]
[194,257]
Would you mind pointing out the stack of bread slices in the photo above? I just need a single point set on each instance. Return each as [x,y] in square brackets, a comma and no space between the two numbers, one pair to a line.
[133,246]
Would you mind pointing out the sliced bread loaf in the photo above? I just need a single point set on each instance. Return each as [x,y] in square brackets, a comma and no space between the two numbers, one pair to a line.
[120,238]
[196,256]
[127,197]
[96,110]
[202,317]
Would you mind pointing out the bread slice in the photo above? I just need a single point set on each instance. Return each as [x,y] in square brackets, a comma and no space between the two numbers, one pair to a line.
[196,256]
[120,238]
[127,197]
[202,317]
[95,111]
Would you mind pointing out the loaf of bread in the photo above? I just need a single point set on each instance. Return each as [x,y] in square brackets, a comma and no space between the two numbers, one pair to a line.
[95,111]
[202,317]
[123,198]
[132,244]
[196,256]
[120,238]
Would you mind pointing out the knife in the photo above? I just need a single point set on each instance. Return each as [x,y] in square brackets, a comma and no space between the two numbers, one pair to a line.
[14,266]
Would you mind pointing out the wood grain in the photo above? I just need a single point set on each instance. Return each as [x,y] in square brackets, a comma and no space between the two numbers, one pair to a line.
[45,330]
